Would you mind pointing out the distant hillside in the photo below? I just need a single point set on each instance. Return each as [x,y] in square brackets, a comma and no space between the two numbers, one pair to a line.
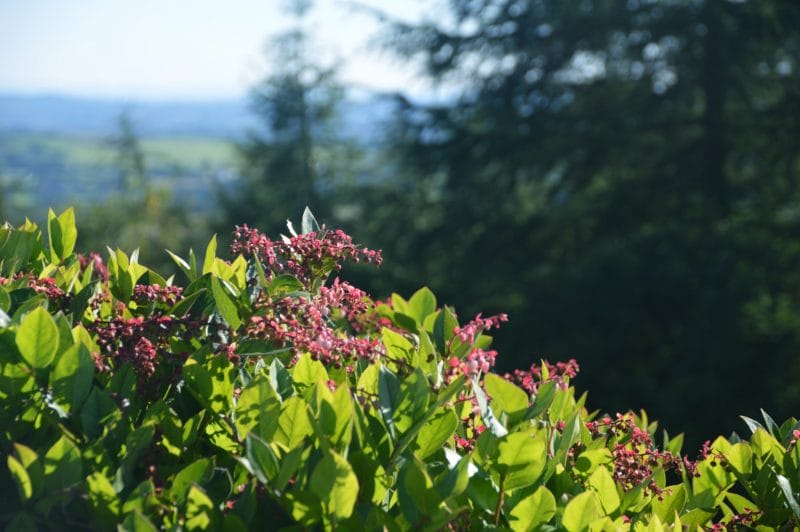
[230,119]
[77,116]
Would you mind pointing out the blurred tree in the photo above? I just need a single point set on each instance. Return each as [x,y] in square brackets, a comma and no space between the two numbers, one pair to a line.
[128,156]
[622,178]
[140,214]
[298,159]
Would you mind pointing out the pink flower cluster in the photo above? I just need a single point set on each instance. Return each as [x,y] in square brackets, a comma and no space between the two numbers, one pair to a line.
[635,455]
[46,286]
[143,342]
[472,329]
[350,302]
[304,325]
[532,378]
[153,293]
[303,256]
[476,362]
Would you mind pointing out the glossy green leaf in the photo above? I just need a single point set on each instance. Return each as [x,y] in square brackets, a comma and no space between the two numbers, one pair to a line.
[71,377]
[533,511]
[435,433]
[334,482]
[103,499]
[198,472]
[580,512]
[388,398]
[506,397]
[257,409]
[788,493]
[210,257]
[62,234]
[284,284]
[308,371]
[422,304]
[262,459]
[136,522]
[225,304]
[672,500]
[21,477]
[37,338]
[201,513]
[606,489]
[521,458]
[63,466]
[294,423]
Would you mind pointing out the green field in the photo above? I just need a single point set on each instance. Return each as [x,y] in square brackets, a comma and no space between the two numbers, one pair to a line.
[186,152]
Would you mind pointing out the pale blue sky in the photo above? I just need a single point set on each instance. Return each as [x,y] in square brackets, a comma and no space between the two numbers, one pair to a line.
[187,49]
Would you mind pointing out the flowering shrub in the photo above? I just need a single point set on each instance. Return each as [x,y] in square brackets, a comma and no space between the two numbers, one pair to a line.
[262,393]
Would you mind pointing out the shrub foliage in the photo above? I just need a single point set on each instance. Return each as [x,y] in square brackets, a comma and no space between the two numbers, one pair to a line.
[264,392]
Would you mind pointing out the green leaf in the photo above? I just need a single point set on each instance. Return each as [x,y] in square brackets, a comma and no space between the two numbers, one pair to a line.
[225,304]
[506,397]
[262,459]
[37,338]
[673,500]
[334,482]
[103,499]
[71,377]
[63,466]
[521,458]
[21,478]
[739,457]
[544,398]
[33,466]
[200,511]
[422,304]
[788,493]
[455,480]
[283,284]
[211,383]
[533,511]
[136,522]
[397,347]
[80,302]
[257,409]
[5,300]
[443,397]
[294,423]
[198,472]
[606,490]
[280,379]
[443,328]
[62,234]
[388,398]
[210,257]
[308,371]
[189,271]
[435,433]
[580,512]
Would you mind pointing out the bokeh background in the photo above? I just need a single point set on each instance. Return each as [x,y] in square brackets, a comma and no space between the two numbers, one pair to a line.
[621,177]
